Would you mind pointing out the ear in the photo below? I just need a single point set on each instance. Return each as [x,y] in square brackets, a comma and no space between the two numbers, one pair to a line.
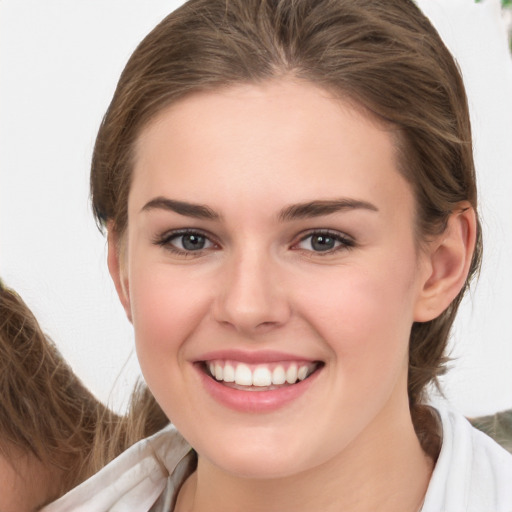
[117,268]
[448,262]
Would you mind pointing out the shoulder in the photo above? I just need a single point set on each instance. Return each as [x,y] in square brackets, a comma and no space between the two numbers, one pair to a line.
[473,473]
[132,481]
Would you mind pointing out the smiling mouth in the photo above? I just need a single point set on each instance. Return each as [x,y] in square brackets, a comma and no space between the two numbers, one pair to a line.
[259,377]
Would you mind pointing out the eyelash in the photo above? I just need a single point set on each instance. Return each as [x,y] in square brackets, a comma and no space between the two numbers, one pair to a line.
[345,242]
[165,240]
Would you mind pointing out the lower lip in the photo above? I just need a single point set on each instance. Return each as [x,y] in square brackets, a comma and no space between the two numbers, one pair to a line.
[255,401]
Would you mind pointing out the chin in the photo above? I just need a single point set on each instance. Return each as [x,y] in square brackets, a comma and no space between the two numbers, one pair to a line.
[263,459]
[259,468]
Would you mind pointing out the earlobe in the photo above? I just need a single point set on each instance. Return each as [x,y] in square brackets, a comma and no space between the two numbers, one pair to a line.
[449,261]
[117,269]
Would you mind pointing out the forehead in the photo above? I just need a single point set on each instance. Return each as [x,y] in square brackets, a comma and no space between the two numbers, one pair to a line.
[281,140]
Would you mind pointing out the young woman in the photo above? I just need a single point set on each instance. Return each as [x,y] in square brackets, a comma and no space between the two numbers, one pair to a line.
[289,193]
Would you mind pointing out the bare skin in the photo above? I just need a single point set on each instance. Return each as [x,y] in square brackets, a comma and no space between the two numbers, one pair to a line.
[26,483]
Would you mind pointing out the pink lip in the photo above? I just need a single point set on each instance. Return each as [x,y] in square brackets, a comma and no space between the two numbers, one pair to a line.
[262,356]
[254,401]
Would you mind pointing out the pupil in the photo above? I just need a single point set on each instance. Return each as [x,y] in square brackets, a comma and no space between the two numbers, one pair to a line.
[193,242]
[322,243]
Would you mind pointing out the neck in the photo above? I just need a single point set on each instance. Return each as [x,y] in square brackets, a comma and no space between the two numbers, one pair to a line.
[384,469]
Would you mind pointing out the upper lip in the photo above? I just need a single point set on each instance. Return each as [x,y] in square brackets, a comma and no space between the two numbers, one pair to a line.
[252,357]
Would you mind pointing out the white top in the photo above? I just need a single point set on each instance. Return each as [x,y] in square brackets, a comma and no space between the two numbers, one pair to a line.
[137,480]
[472,474]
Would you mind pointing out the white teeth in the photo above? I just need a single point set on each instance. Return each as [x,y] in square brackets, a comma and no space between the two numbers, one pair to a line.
[261,377]
[278,375]
[229,373]
[291,374]
[243,375]
[302,373]
[219,371]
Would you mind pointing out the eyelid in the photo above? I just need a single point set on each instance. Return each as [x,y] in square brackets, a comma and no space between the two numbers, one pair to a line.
[164,240]
[346,241]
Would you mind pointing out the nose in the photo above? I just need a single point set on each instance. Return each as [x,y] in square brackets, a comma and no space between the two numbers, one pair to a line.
[251,297]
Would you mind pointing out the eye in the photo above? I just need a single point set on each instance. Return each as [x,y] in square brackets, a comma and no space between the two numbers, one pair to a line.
[190,242]
[325,242]
[185,241]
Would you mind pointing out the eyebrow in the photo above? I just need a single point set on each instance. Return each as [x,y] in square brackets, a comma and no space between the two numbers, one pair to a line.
[319,208]
[289,213]
[198,211]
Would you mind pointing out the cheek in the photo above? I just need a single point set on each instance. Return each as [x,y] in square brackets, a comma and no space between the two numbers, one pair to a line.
[166,308]
[364,313]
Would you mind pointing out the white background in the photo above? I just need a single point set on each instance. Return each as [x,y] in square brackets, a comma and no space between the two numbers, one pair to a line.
[59,63]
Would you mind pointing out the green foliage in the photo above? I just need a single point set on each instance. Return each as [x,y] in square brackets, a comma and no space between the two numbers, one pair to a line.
[504,3]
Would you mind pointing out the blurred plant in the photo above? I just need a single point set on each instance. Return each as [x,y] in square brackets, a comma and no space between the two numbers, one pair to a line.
[504,3]
[507,16]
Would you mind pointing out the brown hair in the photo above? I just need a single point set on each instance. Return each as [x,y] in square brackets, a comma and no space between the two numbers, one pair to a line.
[384,55]
[46,412]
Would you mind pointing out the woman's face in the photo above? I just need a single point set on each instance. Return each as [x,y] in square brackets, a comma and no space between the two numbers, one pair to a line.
[271,237]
